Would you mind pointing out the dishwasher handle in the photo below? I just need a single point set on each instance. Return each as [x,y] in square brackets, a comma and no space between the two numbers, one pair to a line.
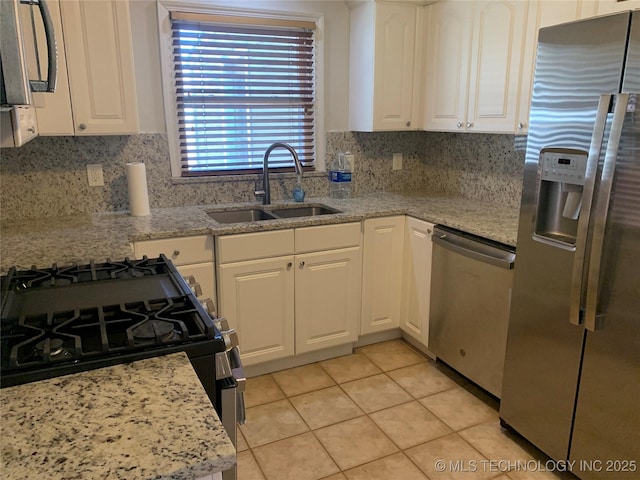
[474,249]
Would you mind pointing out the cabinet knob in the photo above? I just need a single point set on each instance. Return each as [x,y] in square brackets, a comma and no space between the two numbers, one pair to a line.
[428,230]
[469,124]
[82,126]
[520,126]
[176,253]
[302,264]
[290,264]
[408,124]
[459,124]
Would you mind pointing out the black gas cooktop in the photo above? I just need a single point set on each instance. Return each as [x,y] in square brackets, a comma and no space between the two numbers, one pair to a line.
[68,319]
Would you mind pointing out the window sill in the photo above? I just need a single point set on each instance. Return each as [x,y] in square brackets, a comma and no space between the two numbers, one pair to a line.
[242,178]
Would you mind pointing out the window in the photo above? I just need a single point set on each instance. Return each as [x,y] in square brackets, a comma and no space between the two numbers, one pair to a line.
[240,85]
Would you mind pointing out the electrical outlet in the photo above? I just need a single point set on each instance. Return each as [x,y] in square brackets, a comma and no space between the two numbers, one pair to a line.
[94,174]
[397,161]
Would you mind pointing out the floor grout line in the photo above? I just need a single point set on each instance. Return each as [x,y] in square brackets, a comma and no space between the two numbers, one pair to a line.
[364,413]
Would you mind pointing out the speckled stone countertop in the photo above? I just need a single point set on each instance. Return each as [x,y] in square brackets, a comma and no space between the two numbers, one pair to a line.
[80,238]
[149,419]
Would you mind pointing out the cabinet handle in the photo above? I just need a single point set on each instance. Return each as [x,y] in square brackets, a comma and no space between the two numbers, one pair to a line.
[302,264]
[459,124]
[408,124]
[469,124]
[82,126]
[290,264]
[429,231]
[176,253]
[520,126]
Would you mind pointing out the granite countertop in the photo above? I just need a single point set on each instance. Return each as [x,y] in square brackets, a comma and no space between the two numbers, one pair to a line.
[149,419]
[81,238]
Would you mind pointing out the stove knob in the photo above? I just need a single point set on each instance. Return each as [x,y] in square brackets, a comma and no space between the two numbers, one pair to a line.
[209,306]
[195,286]
[230,338]
[221,324]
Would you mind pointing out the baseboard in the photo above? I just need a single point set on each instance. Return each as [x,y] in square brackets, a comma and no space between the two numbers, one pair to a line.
[418,346]
[377,337]
[298,360]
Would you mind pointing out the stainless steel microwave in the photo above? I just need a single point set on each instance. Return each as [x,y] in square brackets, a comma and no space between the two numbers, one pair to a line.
[16,82]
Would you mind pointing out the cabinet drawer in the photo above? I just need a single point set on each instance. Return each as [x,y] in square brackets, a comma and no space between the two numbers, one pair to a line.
[182,250]
[328,237]
[251,246]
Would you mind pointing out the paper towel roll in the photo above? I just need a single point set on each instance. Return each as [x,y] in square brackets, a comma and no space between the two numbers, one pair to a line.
[137,185]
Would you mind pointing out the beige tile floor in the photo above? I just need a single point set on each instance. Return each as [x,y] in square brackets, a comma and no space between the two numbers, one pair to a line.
[386,412]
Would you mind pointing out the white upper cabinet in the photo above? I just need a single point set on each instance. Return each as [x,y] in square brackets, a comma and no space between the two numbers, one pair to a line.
[449,28]
[612,6]
[96,92]
[382,76]
[474,54]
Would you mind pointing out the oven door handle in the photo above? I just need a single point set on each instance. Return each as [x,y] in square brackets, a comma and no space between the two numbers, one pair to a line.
[241,381]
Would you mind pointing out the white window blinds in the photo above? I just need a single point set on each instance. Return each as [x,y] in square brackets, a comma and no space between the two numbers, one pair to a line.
[242,84]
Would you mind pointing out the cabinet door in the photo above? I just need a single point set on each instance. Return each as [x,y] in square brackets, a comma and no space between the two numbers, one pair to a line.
[382,274]
[498,39]
[417,281]
[204,273]
[256,297]
[53,110]
[327,298]
[612,6]
[447,65]
[97,38]
[395,42]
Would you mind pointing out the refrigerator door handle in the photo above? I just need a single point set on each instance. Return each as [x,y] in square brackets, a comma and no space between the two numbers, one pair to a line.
[577,284]
[601,211]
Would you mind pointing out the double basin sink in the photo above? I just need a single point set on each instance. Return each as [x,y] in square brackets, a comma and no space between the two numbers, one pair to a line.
[256,214]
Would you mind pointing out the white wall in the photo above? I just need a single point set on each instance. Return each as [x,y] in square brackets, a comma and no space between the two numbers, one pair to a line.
[146,49]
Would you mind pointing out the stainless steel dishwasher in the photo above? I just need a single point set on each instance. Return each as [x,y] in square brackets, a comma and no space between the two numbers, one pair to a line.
[471,281]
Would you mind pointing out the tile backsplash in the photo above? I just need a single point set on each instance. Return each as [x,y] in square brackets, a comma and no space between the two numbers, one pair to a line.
[47,176]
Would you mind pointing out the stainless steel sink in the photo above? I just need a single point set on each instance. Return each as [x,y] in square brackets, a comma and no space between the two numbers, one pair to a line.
[240,216]
[303,211]
[256,214]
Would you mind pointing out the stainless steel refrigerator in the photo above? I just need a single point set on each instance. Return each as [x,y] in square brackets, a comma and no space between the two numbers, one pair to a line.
[572,368]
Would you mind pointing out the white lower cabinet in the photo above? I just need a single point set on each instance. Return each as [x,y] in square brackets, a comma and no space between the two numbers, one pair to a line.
[191,256]
[327,298]
[256,297]
[291,291]
[417,280]
[382,273]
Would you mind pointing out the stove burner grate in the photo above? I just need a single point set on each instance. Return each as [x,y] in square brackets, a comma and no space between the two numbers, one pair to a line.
[109,270]
[152,330]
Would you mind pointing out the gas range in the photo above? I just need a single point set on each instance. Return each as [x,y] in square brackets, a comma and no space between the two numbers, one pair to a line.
[68,319]
[62,320]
